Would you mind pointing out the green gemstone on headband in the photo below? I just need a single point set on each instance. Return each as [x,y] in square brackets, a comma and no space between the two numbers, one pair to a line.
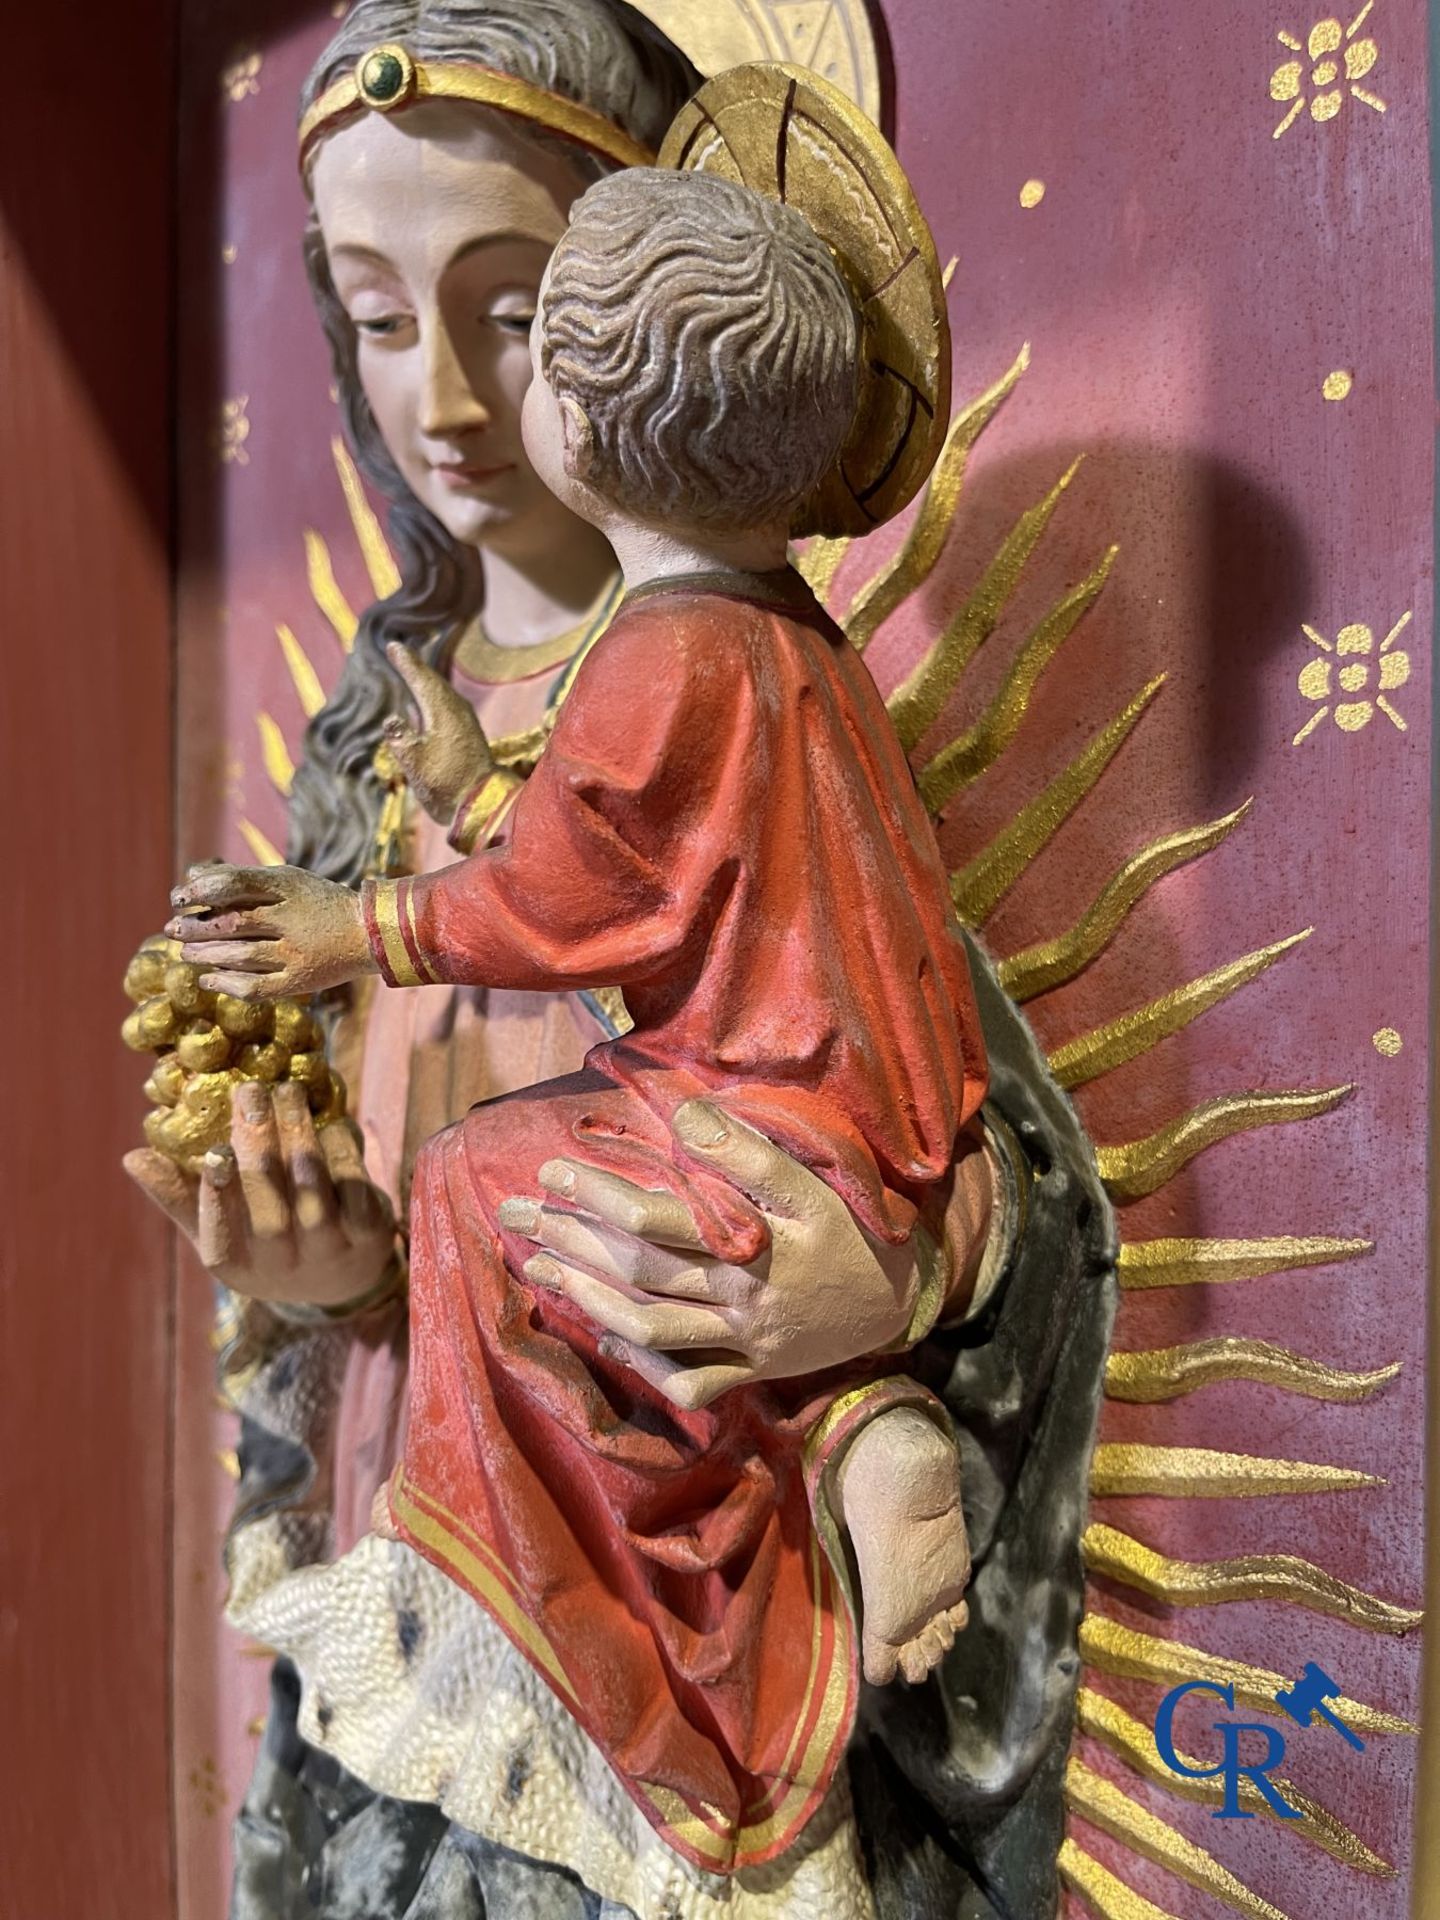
[382,77]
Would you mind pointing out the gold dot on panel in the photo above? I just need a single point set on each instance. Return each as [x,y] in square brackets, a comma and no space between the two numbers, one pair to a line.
[1337,385]
[229,254]
[1032,193]
[1387,1041]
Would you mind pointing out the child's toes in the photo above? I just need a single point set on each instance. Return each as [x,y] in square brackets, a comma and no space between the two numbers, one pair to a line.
[913,1662]
[881,1661]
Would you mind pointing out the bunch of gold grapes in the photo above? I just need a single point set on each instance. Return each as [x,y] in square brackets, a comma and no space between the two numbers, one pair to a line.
[207,1043]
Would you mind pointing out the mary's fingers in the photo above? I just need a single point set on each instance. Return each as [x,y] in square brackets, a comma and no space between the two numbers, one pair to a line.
[364,1210]
[777,1184]
[251,986]
[172,1189]
[224,1223]
[256,1140]
[661,1218]
[234,923]
[685,1384]
[615,1256]
[236,956]
[314,1202]
[223,886]
[645,1323]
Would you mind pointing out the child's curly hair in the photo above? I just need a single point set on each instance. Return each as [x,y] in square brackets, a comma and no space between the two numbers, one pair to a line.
[710,340]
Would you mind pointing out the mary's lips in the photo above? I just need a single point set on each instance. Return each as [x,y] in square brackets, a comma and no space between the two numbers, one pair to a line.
[457,475]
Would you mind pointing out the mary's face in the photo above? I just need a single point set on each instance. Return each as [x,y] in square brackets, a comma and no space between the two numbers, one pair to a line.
[438,224]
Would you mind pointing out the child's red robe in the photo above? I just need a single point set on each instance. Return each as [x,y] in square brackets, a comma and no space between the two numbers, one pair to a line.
[723,824]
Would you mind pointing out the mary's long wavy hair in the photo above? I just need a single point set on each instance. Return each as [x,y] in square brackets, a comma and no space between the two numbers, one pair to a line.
[602,53]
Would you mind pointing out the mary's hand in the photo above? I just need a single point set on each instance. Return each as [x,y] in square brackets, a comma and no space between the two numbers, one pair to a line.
[825,1293]
[288,1214]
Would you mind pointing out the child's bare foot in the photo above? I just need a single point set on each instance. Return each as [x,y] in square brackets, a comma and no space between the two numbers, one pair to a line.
[900,1491]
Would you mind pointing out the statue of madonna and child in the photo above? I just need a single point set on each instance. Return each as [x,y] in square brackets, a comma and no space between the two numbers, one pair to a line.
[664,1423]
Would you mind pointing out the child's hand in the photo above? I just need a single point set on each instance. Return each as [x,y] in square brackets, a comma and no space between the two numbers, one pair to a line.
[450,754]
[269,933]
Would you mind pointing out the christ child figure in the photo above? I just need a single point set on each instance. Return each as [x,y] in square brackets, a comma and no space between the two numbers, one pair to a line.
[723,824]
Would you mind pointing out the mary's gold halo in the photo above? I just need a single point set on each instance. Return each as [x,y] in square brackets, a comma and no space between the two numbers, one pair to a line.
[792,136]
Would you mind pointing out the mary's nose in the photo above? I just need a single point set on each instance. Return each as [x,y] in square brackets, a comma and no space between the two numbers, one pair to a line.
[449,403]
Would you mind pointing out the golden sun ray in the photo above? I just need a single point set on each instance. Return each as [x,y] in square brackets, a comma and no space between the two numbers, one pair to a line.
[820,562]
[278,765]
[1191,1263]
[977,889]
[977,750]
[1100,1802]
[325,591]
[1140,1166]
[923,545]
[1051,963]
[1359,20]
[1110,1647]
[1368,99]
[307,682]
[1090,1055]
[1124,1469]
[374,548]
[1134,1743]
[1289,40]
[1283,1578]
[1289,120]
[1102,1893]
[917,702]
[264,849]
[1168,1373]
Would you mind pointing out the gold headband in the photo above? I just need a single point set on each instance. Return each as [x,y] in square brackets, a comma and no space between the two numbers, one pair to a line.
[386,79]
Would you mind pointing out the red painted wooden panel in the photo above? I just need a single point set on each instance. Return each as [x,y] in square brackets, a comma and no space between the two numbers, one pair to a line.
[85,1272]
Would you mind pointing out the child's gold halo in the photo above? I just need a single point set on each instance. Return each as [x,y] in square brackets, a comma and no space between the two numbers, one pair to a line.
[789,134]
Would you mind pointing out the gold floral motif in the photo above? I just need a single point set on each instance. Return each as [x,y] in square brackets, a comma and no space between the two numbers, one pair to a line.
[1324,86]
[233,431]
[1353,690]
[1387,1041]
[1337,384]
[242,77]
[207,1787]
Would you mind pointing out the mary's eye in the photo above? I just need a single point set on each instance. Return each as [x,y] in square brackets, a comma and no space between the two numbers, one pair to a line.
[384,326]
[517,323]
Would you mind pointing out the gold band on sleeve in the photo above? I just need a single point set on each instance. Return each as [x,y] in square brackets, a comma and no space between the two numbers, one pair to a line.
[482,810]
[382,901]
